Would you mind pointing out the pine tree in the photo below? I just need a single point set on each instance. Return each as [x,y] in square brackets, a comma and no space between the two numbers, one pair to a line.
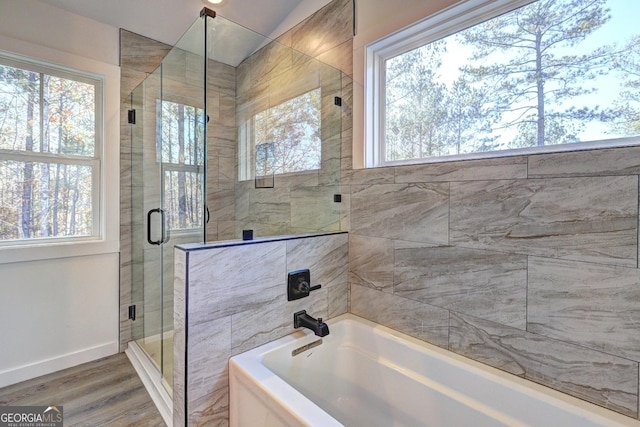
[628,63]
[416,105]
[530,73]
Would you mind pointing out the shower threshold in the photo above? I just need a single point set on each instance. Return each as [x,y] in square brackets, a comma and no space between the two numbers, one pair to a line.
[151,377]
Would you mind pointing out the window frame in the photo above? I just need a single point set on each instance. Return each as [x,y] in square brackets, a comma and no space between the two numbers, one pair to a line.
[448,21]
[95,162]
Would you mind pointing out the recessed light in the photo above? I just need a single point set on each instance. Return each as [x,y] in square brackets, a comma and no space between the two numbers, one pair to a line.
[215,1]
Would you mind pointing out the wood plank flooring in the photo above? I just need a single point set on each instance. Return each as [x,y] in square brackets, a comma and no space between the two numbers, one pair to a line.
[106,392]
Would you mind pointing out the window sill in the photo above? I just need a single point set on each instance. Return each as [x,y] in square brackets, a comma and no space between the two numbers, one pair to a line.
[56,250]
[530,151]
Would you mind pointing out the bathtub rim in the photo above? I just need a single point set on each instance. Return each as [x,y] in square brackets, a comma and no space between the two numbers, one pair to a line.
[283,392]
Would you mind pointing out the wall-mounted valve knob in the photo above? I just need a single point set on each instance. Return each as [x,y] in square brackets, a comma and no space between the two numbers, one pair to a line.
[299,285]
[303,286]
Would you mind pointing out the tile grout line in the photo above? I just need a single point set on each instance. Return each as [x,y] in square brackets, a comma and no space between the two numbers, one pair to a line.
[526,298]
[637,221]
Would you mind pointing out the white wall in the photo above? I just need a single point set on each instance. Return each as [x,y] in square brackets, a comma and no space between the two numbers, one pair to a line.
[59,306]
[374,20]
[302,11]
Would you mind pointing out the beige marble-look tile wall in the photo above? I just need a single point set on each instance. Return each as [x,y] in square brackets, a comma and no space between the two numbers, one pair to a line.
[528,264]
[224,308]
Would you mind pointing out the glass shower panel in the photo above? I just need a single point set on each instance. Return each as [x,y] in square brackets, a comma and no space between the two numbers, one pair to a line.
[233,131]
[274,135]
[137,220]
[147,228]
[180,114]
[168,178]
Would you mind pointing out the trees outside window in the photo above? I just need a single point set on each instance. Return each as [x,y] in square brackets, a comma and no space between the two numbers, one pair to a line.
[548,73]
[180,151]
[287,136]
[49,153]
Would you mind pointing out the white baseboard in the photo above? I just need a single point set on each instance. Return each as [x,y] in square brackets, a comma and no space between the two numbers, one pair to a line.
[33,370]
[150,377]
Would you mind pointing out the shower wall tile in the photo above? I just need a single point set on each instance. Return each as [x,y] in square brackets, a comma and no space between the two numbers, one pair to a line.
[411,317]
[417,212]
[270,64]
[248,331]
[327,259]
[339,57]
[213,108]
[227,230]
[345,208]
[337,300]
[371,176]
[210,410]
[325,256]
[248,327]
[313,209]
[131,46]
[265,210]
[211,232]
[330,173]
[488,285]
[227,173]
[371,262]
[227,112]
[129,80]
[584,219]
[174,66]
[347,106]
[596,306]
[597,377]
[222,143]
[329,27]
[178,91]
[208,385]
[222,78]
[221,204]
[613,161]
[297,180]
[220,283]
[469,170]
[179,336]
[237,300]
[194,69]
[207,356]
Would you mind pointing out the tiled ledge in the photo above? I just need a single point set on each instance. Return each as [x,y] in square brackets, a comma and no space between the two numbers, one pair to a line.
[229,243]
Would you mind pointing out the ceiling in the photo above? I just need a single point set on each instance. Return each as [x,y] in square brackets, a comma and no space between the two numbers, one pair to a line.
[167,20]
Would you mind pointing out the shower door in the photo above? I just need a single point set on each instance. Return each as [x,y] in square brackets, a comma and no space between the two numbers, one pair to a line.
[167,201]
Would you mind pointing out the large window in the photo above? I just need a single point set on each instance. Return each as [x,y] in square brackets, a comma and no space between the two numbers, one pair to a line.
[491,76]
[50,153]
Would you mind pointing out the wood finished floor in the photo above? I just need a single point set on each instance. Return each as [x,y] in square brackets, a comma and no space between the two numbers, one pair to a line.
[107,392]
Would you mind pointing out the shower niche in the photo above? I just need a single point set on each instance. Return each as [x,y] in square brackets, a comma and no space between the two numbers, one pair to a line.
[233,131]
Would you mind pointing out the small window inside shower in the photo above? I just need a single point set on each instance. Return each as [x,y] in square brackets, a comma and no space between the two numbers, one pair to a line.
[282,138]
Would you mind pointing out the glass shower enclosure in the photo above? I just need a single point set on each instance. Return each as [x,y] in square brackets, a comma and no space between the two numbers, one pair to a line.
[232,132]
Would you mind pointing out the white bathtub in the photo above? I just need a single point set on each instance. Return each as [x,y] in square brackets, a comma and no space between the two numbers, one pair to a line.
[364,374]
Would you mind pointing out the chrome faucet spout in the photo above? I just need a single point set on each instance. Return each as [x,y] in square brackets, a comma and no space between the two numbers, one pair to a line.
[302,320]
